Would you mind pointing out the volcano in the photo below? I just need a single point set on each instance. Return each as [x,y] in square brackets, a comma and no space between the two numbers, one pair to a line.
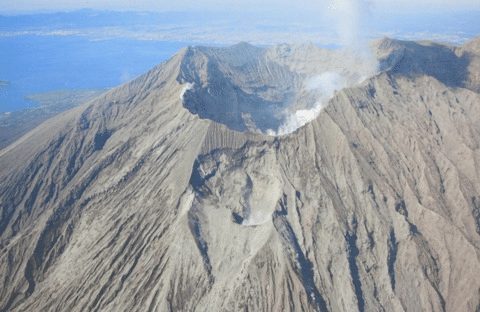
[170,193]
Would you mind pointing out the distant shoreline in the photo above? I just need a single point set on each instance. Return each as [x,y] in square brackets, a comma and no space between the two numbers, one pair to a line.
[16,123]
[4,83]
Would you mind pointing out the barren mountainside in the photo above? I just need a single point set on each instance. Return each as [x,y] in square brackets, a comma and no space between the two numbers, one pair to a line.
[164,195]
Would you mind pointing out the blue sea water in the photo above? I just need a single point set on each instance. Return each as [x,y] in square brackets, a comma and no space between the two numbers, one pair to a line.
[35,64]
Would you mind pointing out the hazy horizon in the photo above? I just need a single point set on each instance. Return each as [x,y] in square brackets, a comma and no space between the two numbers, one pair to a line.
[230,5]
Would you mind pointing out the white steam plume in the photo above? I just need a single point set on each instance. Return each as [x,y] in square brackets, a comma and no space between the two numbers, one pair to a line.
[358,62]
[350,19]
[186,87]
[324,86]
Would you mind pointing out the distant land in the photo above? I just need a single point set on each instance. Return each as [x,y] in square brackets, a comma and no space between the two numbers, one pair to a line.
[15,124]
[211,27]
[3,83]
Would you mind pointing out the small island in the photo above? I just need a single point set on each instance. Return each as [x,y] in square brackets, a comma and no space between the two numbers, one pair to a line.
[4,83]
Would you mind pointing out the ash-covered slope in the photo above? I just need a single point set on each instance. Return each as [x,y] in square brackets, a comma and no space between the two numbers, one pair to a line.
[133,203]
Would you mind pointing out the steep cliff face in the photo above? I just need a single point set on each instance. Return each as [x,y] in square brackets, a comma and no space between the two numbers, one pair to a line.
[140,201]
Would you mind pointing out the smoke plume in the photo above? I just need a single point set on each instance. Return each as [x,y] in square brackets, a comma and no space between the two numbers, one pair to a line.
[350,20]
[358,62]
[324,86]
